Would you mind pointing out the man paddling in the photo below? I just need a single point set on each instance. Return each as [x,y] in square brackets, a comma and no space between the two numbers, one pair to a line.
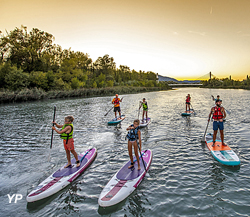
[218,114]
[116,101]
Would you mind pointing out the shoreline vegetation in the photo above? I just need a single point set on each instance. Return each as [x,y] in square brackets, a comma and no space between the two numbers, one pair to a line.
[39,94]
[32,67]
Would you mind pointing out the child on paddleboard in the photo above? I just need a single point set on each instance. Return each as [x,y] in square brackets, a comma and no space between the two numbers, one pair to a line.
[144,105]
[133,135]
[116,101]
[67,136]
[188,99]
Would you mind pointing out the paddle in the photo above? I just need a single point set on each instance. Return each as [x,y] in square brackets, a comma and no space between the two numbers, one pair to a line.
[192,108]
[139,109]
[85,154]
[52,131]
[227,111]
[141,156]
[111,108]
[203,139]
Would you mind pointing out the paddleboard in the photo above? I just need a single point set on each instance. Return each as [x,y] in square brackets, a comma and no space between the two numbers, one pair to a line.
[62,177]
[224,154]
[125,181]
[145,122]
[188,113]
[117,120]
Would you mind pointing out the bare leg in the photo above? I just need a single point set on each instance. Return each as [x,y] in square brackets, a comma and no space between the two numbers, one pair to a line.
[222,137]
[68,158]
[76,157]
[136,154]
[115,114]
[214,136]
[186,107]
[146,116]
[130,153]
[143,115]
[120,114]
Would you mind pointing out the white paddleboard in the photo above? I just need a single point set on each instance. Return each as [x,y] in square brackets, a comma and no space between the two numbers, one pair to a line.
[125,181]
[62,177]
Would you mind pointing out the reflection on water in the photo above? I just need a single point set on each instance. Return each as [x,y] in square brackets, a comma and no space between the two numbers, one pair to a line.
[184,179]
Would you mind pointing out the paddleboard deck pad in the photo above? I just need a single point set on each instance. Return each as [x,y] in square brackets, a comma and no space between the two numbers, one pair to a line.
[224,154]
[125,181]
[117,120]
[145,122]
[62,177]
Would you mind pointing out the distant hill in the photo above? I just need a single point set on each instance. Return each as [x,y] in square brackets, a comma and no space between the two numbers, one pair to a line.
[165,78]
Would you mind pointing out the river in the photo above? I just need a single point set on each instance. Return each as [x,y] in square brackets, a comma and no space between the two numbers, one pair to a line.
[183,180]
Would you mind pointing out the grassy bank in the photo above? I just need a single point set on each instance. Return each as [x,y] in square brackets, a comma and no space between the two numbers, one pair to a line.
[37,94]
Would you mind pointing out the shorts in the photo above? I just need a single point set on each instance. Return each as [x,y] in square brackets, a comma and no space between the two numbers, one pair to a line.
[218,124]
[145,109]
[117,109]
[188,103]
[70,145]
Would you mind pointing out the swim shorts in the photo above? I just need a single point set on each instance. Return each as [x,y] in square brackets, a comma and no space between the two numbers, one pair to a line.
[70,145]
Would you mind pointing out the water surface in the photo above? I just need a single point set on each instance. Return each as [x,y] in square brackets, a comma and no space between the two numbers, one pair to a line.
[183,180]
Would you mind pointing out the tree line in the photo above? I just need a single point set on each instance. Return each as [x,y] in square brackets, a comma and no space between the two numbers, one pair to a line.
[227,83]
[31,59]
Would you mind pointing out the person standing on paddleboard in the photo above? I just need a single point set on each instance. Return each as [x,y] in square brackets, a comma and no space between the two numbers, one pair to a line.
[218,115]
[116,101]
[68,141]
[134,134]
[218,98]
[144,105]
[188,99]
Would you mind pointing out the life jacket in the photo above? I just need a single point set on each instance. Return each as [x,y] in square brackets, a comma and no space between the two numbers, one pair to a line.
[67,136]
[133,133]
[116,102]
[188,99]
[217,113]
[145,105]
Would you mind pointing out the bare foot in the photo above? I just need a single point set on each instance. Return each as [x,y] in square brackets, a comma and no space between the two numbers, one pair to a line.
[78,163]
[132,165]
[69,164]
[224,144]
[139,167]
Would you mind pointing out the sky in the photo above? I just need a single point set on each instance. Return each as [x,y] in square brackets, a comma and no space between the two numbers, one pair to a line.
[182,39]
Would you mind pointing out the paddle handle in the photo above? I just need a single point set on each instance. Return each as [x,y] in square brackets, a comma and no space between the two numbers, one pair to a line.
[53,125]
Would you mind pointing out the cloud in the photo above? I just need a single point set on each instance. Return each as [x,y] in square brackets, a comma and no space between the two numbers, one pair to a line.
[199,33]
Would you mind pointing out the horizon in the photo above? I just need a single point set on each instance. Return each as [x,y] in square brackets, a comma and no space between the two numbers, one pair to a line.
[179,39]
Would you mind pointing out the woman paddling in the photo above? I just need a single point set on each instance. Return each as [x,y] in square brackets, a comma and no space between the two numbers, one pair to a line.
[133,135]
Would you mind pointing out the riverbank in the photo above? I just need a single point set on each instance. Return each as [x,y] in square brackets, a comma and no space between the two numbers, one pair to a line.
[38,94]
[227,87]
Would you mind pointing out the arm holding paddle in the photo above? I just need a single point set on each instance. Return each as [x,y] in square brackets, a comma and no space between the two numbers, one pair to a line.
[57,125]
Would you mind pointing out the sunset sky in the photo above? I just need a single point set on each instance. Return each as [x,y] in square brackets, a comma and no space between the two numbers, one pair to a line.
[183,39]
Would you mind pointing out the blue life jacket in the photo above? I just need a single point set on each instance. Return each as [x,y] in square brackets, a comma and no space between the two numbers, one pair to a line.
[133,133]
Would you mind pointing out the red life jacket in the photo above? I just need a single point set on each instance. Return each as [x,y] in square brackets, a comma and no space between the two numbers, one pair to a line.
[217,113]
[188,99]
[116,101]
